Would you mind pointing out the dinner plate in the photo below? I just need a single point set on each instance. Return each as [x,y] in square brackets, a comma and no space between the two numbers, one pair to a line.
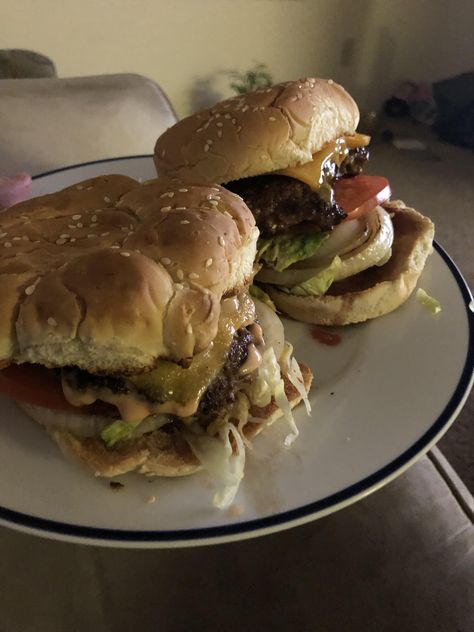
[381,398]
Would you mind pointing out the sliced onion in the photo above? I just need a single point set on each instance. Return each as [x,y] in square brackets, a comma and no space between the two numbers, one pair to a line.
[343,237]
[272,327]
[375,251]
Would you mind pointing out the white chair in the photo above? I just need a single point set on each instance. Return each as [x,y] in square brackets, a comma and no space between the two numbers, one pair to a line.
[46,124]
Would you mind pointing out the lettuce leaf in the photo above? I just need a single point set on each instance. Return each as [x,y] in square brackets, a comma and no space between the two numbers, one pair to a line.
[317,285]
[281,251]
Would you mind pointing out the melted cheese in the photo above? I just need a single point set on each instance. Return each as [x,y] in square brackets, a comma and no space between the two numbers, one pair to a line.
[170,388]
[311,173]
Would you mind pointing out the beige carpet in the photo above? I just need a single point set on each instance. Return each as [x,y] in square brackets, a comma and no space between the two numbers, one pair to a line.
[439,182]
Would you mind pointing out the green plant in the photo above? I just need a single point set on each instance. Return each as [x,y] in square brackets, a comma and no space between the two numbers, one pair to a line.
[254,79]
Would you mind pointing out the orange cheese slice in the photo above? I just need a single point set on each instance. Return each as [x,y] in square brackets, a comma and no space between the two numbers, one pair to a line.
[312,172]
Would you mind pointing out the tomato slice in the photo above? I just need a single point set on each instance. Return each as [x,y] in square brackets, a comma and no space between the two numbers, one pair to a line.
[37,385]
[360,194]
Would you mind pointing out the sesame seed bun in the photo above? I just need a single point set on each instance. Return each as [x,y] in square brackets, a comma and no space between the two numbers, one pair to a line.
[375,291]
[109,275]
[157,453]
[258,132]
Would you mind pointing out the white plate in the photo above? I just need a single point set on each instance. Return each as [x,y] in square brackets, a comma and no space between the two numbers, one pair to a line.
[380,400]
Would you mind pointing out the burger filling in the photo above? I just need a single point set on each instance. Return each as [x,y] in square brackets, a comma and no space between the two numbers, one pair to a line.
[319,222]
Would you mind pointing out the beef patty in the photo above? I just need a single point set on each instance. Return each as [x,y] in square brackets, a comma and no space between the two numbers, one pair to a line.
[279,203]
[220,393]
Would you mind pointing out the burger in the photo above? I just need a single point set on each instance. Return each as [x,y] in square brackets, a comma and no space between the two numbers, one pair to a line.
[333,249]
[128,332]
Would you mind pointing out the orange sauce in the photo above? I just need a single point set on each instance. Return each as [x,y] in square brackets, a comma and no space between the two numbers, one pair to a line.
[325,337]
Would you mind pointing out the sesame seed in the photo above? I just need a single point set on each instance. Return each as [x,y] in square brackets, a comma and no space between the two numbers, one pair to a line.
[25,238]
[104,234]
[199,129]
[220,124]
[227,115]
[189,329]
[52,322]
[124,229]
[106,199]
[89,188]
[131,226]
[91,236]
[65,236]
[169,194]
[183,190]
[255,109]
[7,244]
[209,141]
[179,286]
[239,128]
[60,242]
[271,118]
[245,108]
[180,208]
[2,235]
[151,500]
[25,218]
[16,238]
[221,240]
[125,254]
[165,261]
[94,218]
[219,133]
[94,224]
[184,221]
[29,290]
[72,240]
[75,217]
[217,115]
[71,226]
[79,187]
[330,81]
[227,213]
[206,148]
[165,209]
[163,152]
[209,262]
[114,246]
[79,225]
[213,202]
[180,275]
[193,275]
[294,99]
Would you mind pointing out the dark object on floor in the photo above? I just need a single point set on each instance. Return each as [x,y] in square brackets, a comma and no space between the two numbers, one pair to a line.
[396,107]
[25,64]
[455,100]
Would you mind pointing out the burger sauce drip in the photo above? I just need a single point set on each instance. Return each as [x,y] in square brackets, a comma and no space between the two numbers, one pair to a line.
[254,351]
[325,337]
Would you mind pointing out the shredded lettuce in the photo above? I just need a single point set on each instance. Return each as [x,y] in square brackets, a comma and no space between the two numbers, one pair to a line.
[122,431]
[257,292]
[281,251]
[117,431]
[271,385]
[217,456]
[428,301]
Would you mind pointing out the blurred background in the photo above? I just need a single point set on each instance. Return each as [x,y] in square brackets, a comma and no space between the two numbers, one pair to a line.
[189,47]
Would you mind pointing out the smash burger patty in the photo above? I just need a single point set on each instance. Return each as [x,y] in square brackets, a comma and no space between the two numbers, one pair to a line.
[293,152]
[219,394]
[127,329]
[280,203]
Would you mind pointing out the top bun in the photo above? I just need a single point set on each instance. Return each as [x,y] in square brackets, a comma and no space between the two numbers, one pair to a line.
[258,132]
[110,275]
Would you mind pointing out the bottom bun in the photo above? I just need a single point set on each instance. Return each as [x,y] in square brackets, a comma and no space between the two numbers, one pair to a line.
[157,453]
[375,291]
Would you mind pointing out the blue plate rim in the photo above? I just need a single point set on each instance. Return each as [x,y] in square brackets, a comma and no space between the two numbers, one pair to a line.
[365,485]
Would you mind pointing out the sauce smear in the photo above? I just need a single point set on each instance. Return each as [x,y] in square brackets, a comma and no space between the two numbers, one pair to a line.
[325,337]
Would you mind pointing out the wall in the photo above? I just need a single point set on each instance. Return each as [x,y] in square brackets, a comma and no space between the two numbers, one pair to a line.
[187,45]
